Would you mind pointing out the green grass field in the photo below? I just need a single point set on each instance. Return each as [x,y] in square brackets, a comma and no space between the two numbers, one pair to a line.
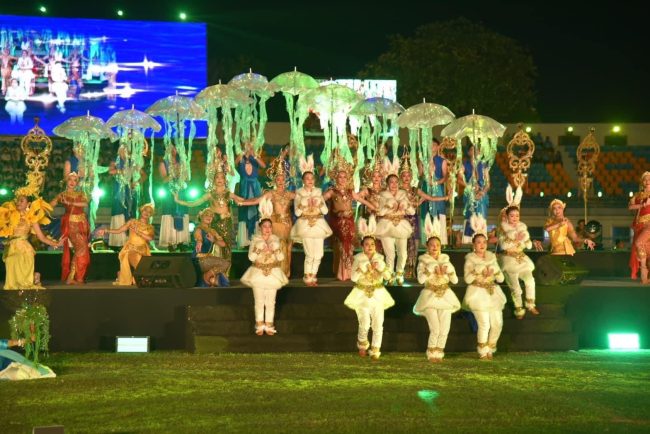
[586,391]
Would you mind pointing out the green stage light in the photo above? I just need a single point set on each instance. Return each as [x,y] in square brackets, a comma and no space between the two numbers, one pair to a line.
[43,9]
[600,194]
[3,191]
[569,129]
[120,13]
[98,193]
[192,226]
[569,194]
[541,194]
[616,129]
[623,341]
[529,129]
[161,193]
[182,16]
[193,193]
[631,194]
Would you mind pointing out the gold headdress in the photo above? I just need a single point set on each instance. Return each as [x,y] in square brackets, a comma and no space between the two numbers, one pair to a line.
[371,168]
[644,176]
[338,165]
[147,205]
[203,212]
[278,166]
[405,165]
[556,202]
[36,147]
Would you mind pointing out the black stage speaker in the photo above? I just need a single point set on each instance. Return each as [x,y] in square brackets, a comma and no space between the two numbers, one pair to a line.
[165,272]
[558,270]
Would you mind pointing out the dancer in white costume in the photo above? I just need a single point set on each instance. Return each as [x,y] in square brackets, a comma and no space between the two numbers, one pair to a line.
[393,229]
[484,298]
[436,301]
[513,239]
[265,275]
[25,73]
[310,229]
[15,98]
[369,298]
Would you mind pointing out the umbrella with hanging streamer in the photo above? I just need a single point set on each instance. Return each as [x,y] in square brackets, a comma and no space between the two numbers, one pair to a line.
[251,119]
[132,125]
[175,110]
[372,120]
[332,103]
[87,131]
[222,97]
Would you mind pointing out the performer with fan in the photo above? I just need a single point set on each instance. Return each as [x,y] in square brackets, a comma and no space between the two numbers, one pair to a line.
[484,298]
[640,203]
[265,275]
[281,199]
[436,301]
[393,227]
[513,239]
[310,229]
[369,298]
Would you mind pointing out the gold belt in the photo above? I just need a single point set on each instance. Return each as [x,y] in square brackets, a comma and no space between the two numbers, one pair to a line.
[489,287]
[395,218]
[518,255]
[311,219]
[76,218]
[344,213]
[368,289]
[280,218]
[266,268]
[438,290]
[644,219]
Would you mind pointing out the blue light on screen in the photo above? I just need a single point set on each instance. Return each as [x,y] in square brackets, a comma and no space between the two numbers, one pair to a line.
[102,66]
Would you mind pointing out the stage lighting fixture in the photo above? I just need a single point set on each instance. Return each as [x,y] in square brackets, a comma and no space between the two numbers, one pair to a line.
[569,129]
[192,227]
[569,194]
[616,129]
[161,193]
[98,193]
[193,193]
[120,13]
[182,16]
[541,194]
[3,191]
[43,9]
[132,344]
[623,341]
[529,129]
[631,193]
[600,194]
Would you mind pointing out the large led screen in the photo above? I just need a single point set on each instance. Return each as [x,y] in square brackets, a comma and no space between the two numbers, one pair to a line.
[56,68]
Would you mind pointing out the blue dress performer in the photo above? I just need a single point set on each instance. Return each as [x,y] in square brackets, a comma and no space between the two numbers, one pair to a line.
[435,186]
[248,167]
[124,201]
[476,179]
[175,220]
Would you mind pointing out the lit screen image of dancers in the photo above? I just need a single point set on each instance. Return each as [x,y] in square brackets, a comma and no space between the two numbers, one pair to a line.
[57,68]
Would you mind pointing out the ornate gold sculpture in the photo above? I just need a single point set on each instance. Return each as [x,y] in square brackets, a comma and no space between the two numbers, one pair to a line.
[587,154]
[520,153]
[36,147]
[451,152]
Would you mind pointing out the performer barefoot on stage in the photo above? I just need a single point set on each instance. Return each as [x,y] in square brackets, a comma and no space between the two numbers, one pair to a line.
[206,252]
[265,275]
[74,227]
[141,233]
[640,203]
[310,229]
[416,198]
[513,239]
[393,228]
[436,301]
[561,232]
[484,298]
[281,199]
[341,216]
[19,218]
[219,198]
[369,298]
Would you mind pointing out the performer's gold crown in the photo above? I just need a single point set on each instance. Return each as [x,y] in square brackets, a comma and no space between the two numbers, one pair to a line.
[371,168]
[277,167]
[405,165]
[338,165]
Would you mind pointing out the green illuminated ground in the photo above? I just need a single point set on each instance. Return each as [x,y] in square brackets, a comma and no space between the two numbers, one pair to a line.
[586,391]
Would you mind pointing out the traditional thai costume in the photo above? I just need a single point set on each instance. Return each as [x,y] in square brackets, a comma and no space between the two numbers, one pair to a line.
[74,226]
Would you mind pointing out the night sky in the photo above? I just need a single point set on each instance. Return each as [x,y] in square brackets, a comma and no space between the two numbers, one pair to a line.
[592,64]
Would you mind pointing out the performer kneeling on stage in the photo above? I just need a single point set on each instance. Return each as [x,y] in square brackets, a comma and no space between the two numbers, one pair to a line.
[484,298]
[265,275]
[436,301]
[369,298]
[214,269]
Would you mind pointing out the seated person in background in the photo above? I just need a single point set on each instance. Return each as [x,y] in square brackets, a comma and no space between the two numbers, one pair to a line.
[214,268]
[561,231]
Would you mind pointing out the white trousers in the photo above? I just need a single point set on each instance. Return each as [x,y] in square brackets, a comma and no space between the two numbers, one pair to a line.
[389,245]
[439,324]
[371,315]
[313,254]
[264,301]
[515,288]
[490,324]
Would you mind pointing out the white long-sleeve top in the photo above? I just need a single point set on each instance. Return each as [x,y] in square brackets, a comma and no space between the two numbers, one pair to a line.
[310,223]
[266,269]
[436,293]
[513,260]
[368,275]
[483,294]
